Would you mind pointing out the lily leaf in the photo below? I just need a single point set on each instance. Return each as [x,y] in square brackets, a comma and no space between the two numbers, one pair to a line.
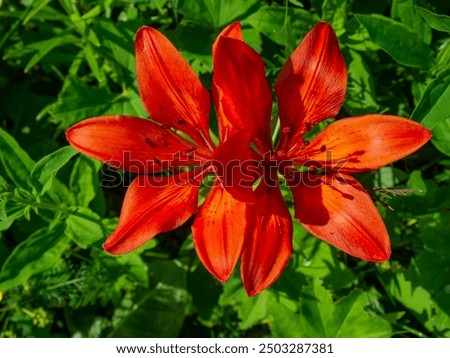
[16,162]
[398,40]
[321,317]
[433,111]
[37,253]
[45,169]
[436,21]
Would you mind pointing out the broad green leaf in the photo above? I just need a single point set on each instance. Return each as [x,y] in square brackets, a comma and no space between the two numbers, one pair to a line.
[37,253]
[436,21]
[398,40]
[167,304]
[205,291]
[46,168]
[16,162]
[319,316]
[84,180]
[357,37]
[403,11]
[335,13]
[433,111]
[284,27]
[420,303]
[361,96]
[84,227]
[217,13]
[78,101]
[318,260]
[11,211]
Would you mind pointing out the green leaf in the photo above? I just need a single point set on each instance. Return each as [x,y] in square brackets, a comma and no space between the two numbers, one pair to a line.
[11,211]
[335,13]
[37,253]
[84,180]
[84,227]
[281,26]
[436,21]
[36,6]
[399,41]
[46,168]
[16,162]
[433,111]
[217,13]
[78,101]
[48,45]
[403,11]
[361,96]
[420,302]
[166,303]
[319,316]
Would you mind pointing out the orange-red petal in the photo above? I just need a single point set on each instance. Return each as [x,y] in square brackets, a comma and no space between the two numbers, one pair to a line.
[131,143]
[340,212]
[152,206]
[237,166]
[241,94]
[218,232]
[311,86]
[170,90]
[233,31]
[268,242]
[365,143]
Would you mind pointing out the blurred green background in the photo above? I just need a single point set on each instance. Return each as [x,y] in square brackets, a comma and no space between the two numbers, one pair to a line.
[63,61]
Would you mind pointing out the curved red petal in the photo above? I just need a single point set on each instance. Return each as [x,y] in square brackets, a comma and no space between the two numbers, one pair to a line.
[241,94]
[170,90]
[133,144]
[218,232]
[365,143]
[237,166]
[233,31]
[341,212]
[152,206]
[268,242]
[311,86]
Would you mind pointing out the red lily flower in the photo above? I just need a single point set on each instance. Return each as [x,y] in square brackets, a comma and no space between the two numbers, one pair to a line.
[232,222]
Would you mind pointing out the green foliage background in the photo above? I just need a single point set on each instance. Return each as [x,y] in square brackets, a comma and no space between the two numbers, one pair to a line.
[63,61]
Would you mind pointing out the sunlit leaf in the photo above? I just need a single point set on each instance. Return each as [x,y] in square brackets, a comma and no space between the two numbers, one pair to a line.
[433,111]
[399,41]
[436,21]
[46,168]
[37,253]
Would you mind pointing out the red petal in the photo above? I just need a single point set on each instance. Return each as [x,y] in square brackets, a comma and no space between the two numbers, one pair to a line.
[341,213]
[364,143]
[131,143]
[233,31]
[241,94]
[311,86]
[150,208]
[218,231]
[170,90]
[237,166]
[268,242]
